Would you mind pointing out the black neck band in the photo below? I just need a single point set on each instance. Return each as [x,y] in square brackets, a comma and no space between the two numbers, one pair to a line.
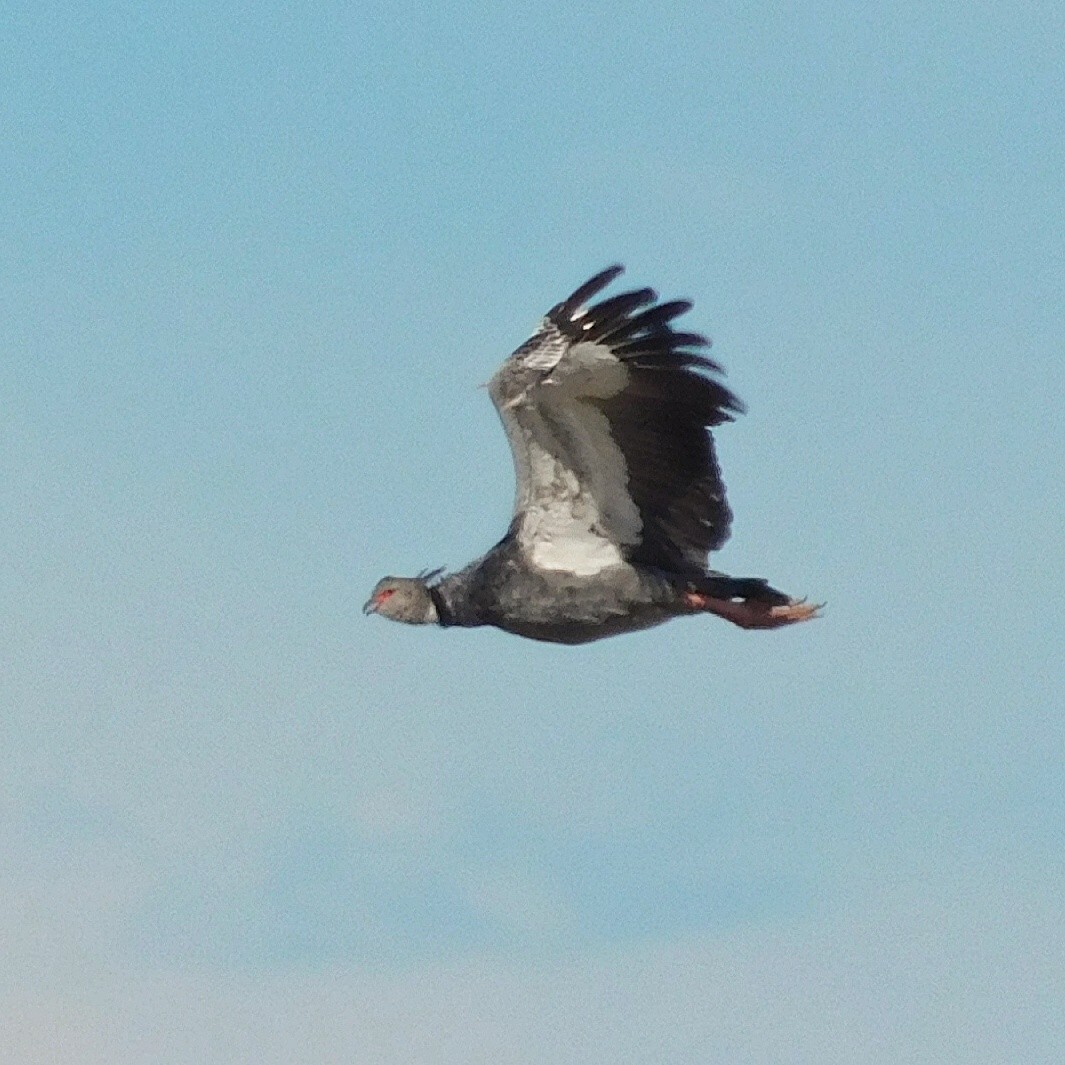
[443,615]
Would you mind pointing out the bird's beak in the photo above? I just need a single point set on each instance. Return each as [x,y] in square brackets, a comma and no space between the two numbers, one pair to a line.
[370,606]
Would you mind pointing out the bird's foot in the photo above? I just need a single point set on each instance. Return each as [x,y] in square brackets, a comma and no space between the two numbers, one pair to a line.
[752,614]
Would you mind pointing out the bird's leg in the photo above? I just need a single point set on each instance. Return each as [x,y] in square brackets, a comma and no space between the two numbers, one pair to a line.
[752,613]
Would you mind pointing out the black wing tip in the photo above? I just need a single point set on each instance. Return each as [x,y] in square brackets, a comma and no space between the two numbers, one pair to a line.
[640,331]
[604,277]
[633,311]
[577,299]
[629,320]
[600,280]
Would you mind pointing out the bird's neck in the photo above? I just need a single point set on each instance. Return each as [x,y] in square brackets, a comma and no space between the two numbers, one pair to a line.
[452,602]
[439,611]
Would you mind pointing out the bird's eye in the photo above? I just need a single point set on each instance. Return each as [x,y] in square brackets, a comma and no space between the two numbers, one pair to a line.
[386,593]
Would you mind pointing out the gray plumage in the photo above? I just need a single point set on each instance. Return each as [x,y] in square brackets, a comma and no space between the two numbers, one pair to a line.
[619,498]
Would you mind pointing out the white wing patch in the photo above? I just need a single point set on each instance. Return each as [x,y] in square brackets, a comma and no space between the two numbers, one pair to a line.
[576,511]
[582,558]
[562,528]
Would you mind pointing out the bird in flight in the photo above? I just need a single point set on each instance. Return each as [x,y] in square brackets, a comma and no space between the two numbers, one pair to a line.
[619,498]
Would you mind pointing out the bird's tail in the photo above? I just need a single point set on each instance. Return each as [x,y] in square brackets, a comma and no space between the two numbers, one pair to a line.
[749,589]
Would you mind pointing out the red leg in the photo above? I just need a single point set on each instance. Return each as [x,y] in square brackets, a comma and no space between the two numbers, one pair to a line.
[751,614]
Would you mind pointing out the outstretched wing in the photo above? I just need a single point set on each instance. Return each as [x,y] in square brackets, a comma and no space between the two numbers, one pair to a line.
[607,408]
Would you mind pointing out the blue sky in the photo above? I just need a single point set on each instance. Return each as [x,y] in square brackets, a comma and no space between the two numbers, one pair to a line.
[259,258]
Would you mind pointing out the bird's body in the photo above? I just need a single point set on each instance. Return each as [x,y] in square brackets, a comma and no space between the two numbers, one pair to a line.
[504,590]
[619,498]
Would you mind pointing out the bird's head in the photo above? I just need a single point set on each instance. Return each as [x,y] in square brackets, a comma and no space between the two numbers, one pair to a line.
[404,599]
